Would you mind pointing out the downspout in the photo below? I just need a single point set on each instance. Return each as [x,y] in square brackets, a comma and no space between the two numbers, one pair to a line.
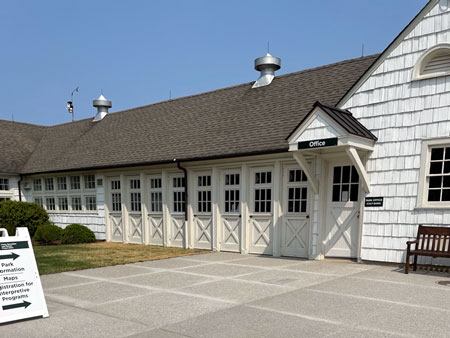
[19,185]
[185,189]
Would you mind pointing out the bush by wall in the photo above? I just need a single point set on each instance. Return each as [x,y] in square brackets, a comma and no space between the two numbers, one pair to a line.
[15,214]
[48,233]
[77,233]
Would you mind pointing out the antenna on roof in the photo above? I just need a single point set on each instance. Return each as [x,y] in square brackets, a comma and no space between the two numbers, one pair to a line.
[70,103]
[362,50]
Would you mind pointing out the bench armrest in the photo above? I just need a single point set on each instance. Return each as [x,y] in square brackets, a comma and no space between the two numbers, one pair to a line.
[412,242]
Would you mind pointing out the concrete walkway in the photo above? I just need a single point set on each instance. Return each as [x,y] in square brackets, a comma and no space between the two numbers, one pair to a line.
[231,295]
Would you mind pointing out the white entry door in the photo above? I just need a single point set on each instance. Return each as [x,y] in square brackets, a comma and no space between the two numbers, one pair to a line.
[177,211]
[203,223]
[134,207]
[343,211]
[155,211]
[260,228]
[295,220]
[115,219]
[230,210]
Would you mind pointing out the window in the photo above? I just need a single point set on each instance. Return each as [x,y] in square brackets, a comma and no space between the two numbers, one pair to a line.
[433,63]
[297,191]
[63,203]
[263,192]
[155,194]
[438,176]
[135,195]
[76,203]
[89,182]
[4,199]
[178,194]
[204,193]
[91,203]
[232,193]
[4,184]
[50,203]
[75,183]
[49,184]
[38,200]
[61,182]
[345,184]
[37,184]
[116,196]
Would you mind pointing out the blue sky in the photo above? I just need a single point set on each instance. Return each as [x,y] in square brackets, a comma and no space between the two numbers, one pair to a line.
[138,51]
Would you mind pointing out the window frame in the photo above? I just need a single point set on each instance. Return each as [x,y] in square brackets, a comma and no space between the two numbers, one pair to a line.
[425,58]
[205,189]
[260,186]
[5,183]
[297,184]
[425,157]
[155,190]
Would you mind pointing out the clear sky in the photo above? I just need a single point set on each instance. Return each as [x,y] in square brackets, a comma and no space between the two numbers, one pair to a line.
[139,51]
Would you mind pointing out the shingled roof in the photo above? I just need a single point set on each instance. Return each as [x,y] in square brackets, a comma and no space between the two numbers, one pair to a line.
[233,121]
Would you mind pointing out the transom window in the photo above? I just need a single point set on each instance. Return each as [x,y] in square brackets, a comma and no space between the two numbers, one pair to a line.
[89,181]
[297,175]
[61,182]
[232,193]
[155,194]
[297,192]
[263,192]
[178,182]
[4,184]
[75,183]
[204,193]
[37,184]
[49,184]
[439,175]
[345,184]
[76,203]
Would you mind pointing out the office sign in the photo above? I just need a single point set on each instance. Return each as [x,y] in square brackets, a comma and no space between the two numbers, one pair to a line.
[21,294]
[374,201]
[326,142]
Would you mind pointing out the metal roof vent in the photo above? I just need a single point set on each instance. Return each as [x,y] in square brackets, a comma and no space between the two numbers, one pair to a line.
[102,105]
[267,65]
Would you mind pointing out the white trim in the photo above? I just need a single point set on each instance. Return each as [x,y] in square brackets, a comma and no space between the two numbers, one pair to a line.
[425,58]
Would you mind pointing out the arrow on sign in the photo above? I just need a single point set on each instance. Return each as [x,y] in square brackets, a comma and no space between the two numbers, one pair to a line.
[24,304]
[13,256]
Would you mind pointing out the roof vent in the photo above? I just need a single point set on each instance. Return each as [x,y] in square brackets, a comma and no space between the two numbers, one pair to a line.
[102,105]
[267,65]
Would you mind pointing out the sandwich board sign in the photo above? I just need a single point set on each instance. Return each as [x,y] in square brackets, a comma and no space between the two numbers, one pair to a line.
[21,294]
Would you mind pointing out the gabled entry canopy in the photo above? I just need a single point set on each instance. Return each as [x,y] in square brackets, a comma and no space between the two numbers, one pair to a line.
[327,129]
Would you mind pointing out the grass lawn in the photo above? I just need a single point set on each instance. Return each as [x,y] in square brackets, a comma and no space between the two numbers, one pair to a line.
[60,258]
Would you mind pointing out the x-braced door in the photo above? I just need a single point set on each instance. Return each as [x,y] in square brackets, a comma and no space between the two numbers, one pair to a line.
[155,210]
[134,206]
[115,219]
[203,222]
[230,210]
[177,211]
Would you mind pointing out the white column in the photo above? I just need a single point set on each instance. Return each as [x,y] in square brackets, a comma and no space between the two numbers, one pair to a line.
[123,193]
[215,188]
[276,209]
[189,223]
[245,186]
[166,208]
[144,211]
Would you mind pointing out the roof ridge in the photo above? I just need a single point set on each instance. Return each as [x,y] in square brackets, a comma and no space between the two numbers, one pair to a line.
[25,123]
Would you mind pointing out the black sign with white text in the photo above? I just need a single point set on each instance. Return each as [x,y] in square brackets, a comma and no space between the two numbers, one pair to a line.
[326,142]
[374,201]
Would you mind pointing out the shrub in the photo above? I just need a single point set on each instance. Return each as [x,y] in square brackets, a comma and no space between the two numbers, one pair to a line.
[77,233]
[48,233]
[15,214]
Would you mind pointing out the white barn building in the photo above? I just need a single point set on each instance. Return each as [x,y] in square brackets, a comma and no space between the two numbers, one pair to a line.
[343,160]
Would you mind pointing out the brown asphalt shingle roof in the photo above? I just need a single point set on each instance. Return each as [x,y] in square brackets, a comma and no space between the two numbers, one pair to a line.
[227,122]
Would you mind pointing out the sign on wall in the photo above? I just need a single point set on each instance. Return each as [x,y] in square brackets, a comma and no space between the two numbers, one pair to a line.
[326,142]
[21,294]
[374,201]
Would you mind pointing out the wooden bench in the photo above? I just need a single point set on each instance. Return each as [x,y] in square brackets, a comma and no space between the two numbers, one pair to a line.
[431,241]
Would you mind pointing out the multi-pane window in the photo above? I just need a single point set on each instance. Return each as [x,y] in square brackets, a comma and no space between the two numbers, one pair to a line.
[89,181]
[50,203]
[91,203]
[76,203]
[297,191]
[178,194]
[75,183]
[61,182]
[232,193]
[4,184]
[63,204]
[155,195]
[37,184]
[263,192]
[49,184]
[38,200]
[439,175]
[345,184]
[135,195]
[116,196]
[204,193]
